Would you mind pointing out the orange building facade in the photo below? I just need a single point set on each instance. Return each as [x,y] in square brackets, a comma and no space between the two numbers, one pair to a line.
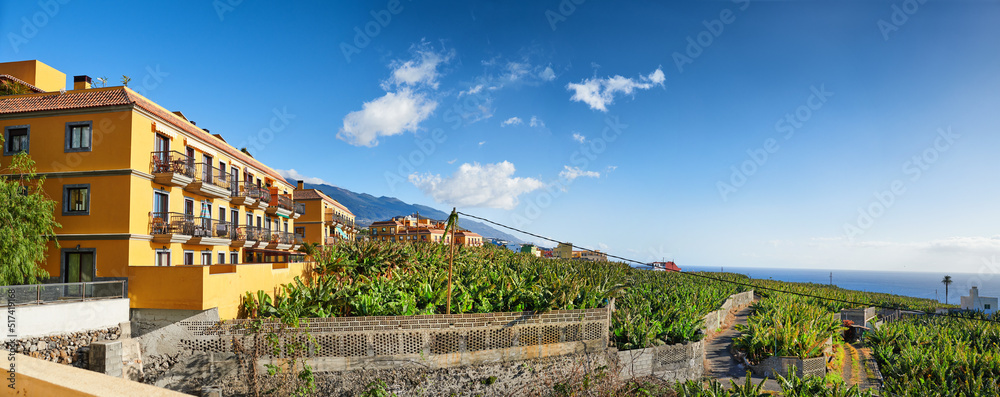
[138,186]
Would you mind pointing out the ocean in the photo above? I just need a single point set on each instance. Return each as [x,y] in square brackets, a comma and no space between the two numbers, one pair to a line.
[915,284]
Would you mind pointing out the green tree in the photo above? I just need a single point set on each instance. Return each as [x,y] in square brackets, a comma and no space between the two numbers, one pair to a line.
[27,222]
[946,281]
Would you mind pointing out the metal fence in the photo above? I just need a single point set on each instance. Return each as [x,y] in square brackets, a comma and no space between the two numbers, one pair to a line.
[37,294]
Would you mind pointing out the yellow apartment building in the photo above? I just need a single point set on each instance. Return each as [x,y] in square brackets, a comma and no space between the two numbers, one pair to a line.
[413,228]
[145,195]
[326,221]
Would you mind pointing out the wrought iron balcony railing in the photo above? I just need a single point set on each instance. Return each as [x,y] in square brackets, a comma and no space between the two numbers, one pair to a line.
[173,161]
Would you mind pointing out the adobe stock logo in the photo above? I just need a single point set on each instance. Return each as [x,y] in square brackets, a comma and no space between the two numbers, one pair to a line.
[713,29]
[915,167]
[363,36]
[38,20]
[758,157]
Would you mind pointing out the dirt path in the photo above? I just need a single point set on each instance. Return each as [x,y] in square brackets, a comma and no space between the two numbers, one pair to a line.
[719,362]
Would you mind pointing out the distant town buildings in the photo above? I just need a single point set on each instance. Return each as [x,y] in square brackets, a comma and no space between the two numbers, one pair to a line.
[531,249]
[669,266]
[979,303]
[413,229]
[326,221]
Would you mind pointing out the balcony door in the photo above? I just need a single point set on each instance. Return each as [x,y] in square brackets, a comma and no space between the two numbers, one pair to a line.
[78,267]
[162,147]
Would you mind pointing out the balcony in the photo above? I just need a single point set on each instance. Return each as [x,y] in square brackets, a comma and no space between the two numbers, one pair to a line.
[297,240]
[170,227]
[210,182]
[172,169]
[208,231]
[244,237]
[263,197]
[300,209]
[279,240]
[245,194]
[281,205]
[332,218]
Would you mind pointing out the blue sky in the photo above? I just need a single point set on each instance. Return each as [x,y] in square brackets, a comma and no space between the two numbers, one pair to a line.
[858,134]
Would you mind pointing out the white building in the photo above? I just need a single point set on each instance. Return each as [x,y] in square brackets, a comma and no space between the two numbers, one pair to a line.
[980,303]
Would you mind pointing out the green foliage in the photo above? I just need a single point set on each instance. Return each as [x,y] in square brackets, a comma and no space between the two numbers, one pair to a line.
[28,218]
[12,88]
[929,356]
[665,308]
[377,388]
[787,325]
[815,386]
[388,279]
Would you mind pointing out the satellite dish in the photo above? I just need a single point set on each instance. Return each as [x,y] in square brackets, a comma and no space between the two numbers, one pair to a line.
[62,91]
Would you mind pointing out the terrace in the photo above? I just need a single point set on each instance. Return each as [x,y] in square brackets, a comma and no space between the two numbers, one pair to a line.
[281,205]
[332,218]
[172,169]
[279,240]
[245,194]
[172,227]
[210,182]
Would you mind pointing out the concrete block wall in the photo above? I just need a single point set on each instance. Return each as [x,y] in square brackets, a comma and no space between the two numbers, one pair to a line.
[431,341]
[677,362]
[106,357]
[681,361]
[773,366]
[714,320]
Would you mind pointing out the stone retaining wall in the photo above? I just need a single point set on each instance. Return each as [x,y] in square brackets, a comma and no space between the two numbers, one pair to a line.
[714,320]
[773,366]
[682,361]
[677,362]
[72,348]
[429,341]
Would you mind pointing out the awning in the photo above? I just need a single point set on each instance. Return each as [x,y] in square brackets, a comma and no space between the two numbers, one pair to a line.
[283,216]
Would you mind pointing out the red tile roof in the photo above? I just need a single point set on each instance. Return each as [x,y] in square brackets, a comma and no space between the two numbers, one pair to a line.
[315,194]
[119,96]
[21,82]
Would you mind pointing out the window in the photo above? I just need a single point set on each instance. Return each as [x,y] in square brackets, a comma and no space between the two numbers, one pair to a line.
[234,216]
[161,204]
[300,231]
[16,139]
[986,306]
[78,265]
[78,136]
[234,257]
[76,199]
[222,258]
[206,258]
[162,257]
[188,257]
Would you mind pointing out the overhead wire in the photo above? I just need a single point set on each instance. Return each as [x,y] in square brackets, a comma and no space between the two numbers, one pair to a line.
[704,276]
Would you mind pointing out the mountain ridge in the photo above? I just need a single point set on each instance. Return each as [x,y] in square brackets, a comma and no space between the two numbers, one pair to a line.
[368,208]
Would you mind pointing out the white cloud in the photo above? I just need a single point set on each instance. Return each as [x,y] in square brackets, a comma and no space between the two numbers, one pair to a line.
[475,185]
[423,69]
[536,122]
[452,161]
[570,173]
[600,92]
[579,138]
[512,121]
[294,175]
[402,110]
[481,143]
[548,74]
[471,90]
[392,114]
